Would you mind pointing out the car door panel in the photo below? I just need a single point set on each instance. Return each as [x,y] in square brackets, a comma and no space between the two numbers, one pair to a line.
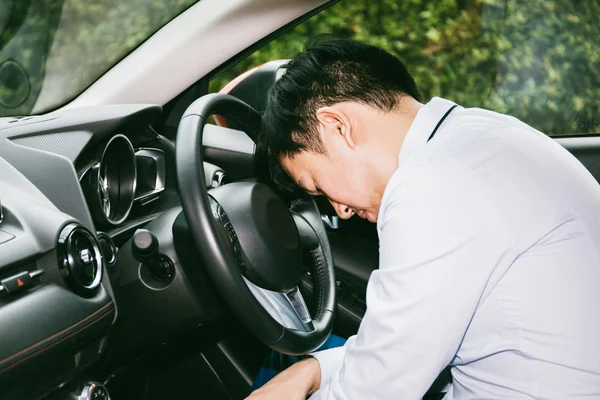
[586,150]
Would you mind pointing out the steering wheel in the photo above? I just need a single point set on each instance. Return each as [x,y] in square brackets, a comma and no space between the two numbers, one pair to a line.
[252,244]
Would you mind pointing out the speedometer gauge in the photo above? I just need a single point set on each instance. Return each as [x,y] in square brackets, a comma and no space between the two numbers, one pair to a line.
[111,182]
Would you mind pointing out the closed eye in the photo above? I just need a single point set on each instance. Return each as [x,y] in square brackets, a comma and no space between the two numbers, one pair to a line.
[316,192]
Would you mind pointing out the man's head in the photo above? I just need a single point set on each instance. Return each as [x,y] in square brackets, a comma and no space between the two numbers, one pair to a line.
[335,121]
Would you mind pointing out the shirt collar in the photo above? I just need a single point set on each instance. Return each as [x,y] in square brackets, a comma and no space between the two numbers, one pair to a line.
[423,125]
[421,128]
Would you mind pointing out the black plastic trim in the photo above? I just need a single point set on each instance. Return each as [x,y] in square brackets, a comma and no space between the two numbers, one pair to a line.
[54,317]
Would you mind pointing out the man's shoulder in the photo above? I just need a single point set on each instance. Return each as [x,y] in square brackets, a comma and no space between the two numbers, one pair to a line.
[482,141]
[429,172]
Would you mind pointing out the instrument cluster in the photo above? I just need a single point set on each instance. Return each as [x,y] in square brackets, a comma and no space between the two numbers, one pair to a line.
[121,177]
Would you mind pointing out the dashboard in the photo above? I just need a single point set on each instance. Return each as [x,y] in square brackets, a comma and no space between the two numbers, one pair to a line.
[75,188]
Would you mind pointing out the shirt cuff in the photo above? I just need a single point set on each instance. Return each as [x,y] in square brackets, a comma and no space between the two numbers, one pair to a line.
[330,361]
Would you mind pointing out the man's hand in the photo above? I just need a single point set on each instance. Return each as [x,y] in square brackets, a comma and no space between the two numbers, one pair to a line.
[295,383]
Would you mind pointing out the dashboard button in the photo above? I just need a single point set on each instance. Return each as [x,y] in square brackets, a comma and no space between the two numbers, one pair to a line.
[17,283]
[35,273]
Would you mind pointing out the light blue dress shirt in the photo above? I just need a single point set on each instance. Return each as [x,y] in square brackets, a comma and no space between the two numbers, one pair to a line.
[489,262]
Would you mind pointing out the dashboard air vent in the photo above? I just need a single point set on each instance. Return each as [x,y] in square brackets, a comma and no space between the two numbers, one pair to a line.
[79,259]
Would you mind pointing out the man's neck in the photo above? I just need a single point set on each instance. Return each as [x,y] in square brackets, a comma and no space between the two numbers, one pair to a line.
[394,127]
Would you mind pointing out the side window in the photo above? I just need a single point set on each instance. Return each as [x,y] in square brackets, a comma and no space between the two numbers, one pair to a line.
[536,60]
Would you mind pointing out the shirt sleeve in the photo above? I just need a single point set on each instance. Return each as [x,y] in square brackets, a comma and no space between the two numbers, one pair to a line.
[444,239]
[330,360]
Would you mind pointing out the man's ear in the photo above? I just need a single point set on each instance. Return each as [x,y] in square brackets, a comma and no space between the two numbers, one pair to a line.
[336,122]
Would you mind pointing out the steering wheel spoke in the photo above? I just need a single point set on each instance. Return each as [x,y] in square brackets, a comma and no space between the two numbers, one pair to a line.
[289,309]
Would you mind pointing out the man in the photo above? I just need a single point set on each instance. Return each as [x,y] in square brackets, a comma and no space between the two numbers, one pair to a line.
[489,236]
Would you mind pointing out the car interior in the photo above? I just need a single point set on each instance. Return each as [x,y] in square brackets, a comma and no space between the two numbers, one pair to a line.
[145,254]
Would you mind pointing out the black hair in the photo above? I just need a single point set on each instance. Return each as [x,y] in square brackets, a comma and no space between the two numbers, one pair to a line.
[329,71]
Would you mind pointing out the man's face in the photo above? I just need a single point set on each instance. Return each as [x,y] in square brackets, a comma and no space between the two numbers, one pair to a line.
[361,153]
[341,183]
[341,175]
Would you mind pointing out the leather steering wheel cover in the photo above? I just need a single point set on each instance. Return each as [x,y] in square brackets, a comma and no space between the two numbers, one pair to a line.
[223,268]
[234,108]
[308,210]
[323,278]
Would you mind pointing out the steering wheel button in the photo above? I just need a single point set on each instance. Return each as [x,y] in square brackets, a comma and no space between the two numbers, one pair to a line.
[17,283]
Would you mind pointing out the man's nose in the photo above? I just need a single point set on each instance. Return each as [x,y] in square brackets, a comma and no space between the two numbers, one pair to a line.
[343,211]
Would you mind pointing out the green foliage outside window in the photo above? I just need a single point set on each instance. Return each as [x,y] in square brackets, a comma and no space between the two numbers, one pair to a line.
[536,60]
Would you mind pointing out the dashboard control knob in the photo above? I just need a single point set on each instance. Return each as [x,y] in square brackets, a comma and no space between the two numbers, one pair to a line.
[144,247]
[93,391]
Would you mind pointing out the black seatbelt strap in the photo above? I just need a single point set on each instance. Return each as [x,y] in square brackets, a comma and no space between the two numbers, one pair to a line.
[441,121]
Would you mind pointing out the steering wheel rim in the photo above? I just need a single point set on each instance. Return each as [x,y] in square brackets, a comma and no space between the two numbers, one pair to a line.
[213,217]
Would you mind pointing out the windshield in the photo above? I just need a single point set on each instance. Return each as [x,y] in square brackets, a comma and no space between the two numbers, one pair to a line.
[52,50]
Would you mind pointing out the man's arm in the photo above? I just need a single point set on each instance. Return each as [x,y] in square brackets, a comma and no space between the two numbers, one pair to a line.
[443,240]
